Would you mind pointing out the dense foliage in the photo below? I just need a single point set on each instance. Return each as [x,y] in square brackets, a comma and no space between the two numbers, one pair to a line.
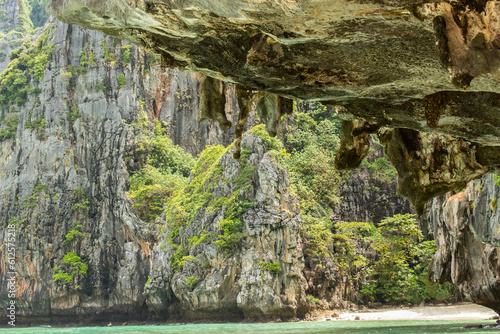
[164,170]
[399,271]
[311,145]
[31,16]
[9,129]
[27,65]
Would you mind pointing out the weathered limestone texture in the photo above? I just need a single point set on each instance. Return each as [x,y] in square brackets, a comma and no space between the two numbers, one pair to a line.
[78,155]
[429,66]
[368,195]
[9,22]
[233,286]
[465,227]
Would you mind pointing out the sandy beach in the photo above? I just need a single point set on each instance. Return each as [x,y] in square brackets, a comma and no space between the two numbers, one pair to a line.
[466,311]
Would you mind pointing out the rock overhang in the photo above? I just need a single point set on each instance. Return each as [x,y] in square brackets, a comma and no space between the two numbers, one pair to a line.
[429,67]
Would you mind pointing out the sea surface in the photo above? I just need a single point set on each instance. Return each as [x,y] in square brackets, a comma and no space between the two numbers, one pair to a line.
[349,327]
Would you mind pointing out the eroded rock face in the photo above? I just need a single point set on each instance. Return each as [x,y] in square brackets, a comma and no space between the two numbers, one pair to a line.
[234,286]
[9,22]
[369,195]
[465,227]
[79,154]
[430,164]
[428,66]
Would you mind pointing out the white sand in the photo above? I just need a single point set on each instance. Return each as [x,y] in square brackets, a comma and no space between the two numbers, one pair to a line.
[455,312]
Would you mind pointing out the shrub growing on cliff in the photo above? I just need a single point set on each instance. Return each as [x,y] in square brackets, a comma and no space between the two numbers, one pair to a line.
[192,281]
[9,129]
[101,87]
[496,178]
[165,171]
[381,168]
[312,146]
[36,124]
[400,272]
[74,114]
[269,266]
[74,267]
[126,54]
[27,64]
[318,237]
[121,81]
[231,234]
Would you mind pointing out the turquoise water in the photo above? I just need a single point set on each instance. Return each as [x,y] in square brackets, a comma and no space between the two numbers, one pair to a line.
[350,327]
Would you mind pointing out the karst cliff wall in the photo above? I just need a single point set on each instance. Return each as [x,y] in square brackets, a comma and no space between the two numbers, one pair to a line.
[465,227]
[426,70]
[67,175]
[63,184]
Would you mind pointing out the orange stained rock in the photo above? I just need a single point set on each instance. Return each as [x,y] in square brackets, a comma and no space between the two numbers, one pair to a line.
[458,197]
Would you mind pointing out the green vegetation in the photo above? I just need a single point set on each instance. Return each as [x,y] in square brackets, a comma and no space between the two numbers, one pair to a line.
[496,178]
[318,238]
[345,237]
[126,54]
[399,274]
[162,170]
[192,281]
[74,114]
[121,81]
[312,145]
[107,55]
[199,192]
[381,168]
[232,234]
[313,299]
[8,127]
[27,64]
[494,204]
[38,13]
[106,50]
[86,58]
[268,266]
[81,203]
[74,267]
[74,234]
[37,124]
[24,23]
[32,201]
[272,143]
[40,188]
[101,86]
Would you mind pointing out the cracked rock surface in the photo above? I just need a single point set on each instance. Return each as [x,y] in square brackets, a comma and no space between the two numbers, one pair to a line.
[429,66]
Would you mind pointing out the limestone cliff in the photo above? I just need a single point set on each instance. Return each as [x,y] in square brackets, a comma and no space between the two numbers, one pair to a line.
[465,227]
[63,180]
[253,269]
[369,193]
[9,11]
[429,70]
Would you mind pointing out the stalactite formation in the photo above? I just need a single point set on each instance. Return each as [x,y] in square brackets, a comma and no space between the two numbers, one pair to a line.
[213,102]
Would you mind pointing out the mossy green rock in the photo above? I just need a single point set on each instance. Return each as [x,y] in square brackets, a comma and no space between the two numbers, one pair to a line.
[247,200]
